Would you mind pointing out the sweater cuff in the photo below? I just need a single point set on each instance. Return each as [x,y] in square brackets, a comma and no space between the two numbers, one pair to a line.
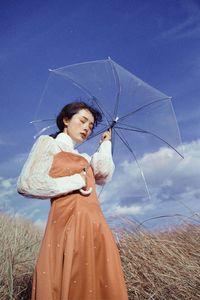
[70,183]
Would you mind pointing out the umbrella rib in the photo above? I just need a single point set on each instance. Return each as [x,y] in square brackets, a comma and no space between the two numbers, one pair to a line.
[113,141]
[42,96]
[43,130]
[123,139]
[143,106]
[153,134]
[84,89]
[116,76]
[41,120]
[129,127]
[159,217]
[125,143]
[96,101]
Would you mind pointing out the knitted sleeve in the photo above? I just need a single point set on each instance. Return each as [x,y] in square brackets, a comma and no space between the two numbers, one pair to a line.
[102,163]
[34,180]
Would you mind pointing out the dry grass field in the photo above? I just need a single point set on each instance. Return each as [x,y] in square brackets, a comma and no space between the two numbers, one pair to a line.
[162,266]
[19,244]
[159,266]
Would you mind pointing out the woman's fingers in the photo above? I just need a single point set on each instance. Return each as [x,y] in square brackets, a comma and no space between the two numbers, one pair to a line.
[107,135]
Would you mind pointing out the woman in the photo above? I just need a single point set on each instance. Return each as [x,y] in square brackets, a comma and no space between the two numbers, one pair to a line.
[78,258]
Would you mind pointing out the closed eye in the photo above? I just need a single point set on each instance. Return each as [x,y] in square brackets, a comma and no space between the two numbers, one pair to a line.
[84,120]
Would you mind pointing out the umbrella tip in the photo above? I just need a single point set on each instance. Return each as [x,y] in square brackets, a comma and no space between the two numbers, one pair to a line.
[109,57]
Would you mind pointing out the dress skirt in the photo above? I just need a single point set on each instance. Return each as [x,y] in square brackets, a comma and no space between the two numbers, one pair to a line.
[78,258]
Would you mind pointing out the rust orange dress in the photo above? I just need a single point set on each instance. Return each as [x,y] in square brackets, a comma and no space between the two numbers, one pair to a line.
[78,258]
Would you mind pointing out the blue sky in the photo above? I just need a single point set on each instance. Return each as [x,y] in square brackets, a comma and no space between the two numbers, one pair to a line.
[159,41]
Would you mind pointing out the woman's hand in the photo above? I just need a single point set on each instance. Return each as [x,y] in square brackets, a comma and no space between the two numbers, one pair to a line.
[106,136]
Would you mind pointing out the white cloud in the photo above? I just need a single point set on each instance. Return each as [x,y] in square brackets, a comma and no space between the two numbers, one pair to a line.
[131,181]
[183,186]
[13,165]
[7,188]
[133,210]
[15,204]
[6,183]
[189,28]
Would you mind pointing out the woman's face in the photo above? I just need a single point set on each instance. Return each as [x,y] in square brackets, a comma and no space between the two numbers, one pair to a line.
[80,126]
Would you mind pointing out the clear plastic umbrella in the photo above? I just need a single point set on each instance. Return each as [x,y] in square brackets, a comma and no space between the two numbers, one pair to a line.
[145,135]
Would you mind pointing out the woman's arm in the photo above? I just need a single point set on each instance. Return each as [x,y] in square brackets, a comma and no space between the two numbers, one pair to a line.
[34,180]
[102,163]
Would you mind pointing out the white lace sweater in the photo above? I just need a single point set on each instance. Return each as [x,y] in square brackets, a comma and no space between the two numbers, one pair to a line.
[34,180]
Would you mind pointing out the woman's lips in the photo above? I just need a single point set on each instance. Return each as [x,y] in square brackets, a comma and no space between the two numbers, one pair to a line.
[83,135]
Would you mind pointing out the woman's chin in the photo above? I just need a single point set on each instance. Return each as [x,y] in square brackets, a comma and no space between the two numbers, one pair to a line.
[79,140]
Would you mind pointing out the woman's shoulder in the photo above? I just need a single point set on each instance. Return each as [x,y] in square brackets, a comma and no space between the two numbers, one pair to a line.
[44,139]
[43,142]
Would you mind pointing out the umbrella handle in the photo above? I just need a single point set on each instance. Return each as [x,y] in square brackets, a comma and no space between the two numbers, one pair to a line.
[86,192]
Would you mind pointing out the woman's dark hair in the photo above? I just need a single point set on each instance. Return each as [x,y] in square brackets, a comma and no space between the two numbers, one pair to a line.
[71,109]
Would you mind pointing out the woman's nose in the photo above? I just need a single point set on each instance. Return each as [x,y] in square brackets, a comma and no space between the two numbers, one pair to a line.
[86,127]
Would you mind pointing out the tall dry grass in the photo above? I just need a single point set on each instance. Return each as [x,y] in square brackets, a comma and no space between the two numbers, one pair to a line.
[162,265]
[19,244]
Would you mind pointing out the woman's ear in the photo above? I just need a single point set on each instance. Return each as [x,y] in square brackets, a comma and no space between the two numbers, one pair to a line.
[65,122]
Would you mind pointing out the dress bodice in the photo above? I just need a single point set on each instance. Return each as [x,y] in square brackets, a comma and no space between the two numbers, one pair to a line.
[67,164]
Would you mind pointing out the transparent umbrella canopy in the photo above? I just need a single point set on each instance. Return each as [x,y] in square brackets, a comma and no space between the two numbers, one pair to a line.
[145,134]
